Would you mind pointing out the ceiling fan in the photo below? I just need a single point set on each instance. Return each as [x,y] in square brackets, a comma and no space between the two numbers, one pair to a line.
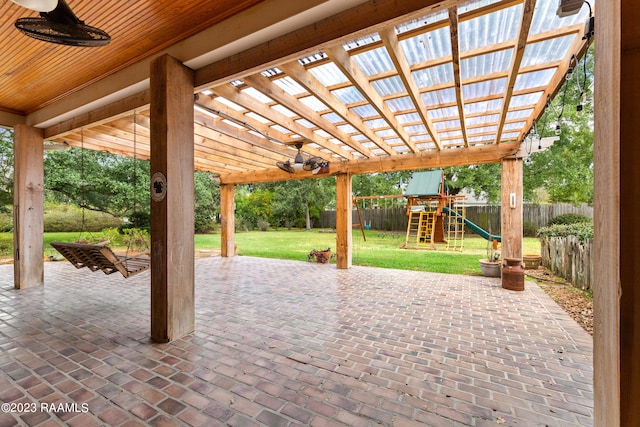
[312,163]
[58,24]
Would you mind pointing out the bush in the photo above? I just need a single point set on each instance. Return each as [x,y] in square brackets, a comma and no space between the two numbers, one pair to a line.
[65,218]
[263,225]
[136,239]
[529,229]
[138,220]
[6,222]
[582,230]
[569,218]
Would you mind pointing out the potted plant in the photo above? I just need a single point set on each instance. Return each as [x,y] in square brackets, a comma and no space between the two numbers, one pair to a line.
[491,266]
[321,256]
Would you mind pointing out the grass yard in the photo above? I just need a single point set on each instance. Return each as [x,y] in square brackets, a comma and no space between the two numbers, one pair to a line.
[381,249]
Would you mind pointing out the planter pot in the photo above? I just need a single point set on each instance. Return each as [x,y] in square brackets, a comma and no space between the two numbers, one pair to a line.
[531,261]
[490,268]
[323,257]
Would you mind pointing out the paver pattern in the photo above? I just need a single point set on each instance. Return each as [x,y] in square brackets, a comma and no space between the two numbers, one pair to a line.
[284,343]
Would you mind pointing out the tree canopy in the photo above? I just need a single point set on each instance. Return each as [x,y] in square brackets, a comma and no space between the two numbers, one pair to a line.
[564,171]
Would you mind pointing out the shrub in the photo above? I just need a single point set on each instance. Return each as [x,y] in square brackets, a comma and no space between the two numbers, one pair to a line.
[6,222]
[529,229]
[58,217]
[138,220]
[569,218]
[136,239]
[582,230]
[263,225]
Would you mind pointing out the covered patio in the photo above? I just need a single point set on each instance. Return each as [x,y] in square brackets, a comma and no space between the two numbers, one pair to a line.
[140,91]
[321,347]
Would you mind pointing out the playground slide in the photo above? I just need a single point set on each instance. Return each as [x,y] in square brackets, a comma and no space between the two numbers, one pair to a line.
[481,232]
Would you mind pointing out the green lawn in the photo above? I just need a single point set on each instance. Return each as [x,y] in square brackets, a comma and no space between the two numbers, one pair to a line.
[381,249]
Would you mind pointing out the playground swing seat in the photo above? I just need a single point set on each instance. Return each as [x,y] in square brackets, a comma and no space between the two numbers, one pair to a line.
[100,257]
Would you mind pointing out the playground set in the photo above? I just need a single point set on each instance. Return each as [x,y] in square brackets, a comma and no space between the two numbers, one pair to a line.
[433,216]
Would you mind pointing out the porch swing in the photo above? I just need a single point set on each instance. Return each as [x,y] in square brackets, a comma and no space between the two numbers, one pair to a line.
[99,256]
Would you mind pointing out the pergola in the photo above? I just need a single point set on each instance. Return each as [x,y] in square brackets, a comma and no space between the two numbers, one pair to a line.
[368,86]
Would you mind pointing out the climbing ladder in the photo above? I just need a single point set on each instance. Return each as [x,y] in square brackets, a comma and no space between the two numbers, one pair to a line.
[419,228]
[455,224]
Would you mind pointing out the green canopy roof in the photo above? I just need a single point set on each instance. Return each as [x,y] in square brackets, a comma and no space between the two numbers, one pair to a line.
[425,183]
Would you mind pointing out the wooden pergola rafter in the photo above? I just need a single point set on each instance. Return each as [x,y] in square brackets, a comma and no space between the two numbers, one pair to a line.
[420,97]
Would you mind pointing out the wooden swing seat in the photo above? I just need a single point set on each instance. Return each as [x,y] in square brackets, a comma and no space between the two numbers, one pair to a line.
[100,257]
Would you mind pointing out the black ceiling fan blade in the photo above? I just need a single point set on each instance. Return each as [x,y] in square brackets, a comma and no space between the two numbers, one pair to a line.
[286,166]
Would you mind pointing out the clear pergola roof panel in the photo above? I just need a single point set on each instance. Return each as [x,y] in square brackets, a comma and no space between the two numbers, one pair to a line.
[545,19]
[427,47]
[482,65]
[389,86]
[367,108]
[374,61]
[433,76]
[490,29]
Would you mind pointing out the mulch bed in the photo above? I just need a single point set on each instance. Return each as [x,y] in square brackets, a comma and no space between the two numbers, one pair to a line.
[574,301]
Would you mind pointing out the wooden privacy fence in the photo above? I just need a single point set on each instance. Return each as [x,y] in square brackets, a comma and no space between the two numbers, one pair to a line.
[486,217]
[569,258]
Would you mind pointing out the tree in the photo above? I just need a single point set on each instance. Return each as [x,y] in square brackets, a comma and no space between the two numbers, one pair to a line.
[98,181]
[253,206]
[482,180]
[207,201]
[6,169]
[379,184]
[564,171]
[298,203]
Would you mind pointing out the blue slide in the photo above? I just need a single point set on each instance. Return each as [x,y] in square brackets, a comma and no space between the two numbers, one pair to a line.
[479,231]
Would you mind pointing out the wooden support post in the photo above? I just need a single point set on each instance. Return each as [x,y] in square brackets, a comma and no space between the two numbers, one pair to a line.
[28,209]
[172,205]
[511,208]
[227,219]
[616,206]
[344,220]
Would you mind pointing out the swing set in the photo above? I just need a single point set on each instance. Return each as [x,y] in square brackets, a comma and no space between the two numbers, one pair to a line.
[99,256]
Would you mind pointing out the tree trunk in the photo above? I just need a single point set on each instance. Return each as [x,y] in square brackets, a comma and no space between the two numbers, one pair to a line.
[306,213]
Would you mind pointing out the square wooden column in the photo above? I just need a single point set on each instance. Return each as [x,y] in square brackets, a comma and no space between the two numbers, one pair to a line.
[28,207]
[344,221]
[172,205]
[616,267]
[511,208]
[227,219]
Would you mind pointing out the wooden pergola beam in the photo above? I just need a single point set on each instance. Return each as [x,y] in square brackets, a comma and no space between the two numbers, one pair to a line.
[343,61]
[246,101]
[266,86]
[390,40]
[480,154]
[527,15]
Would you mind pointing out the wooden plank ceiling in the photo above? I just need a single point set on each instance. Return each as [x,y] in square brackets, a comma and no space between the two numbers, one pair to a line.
[34,73]
[451,83]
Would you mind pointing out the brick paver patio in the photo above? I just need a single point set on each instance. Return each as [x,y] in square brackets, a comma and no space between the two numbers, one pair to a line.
[283,343]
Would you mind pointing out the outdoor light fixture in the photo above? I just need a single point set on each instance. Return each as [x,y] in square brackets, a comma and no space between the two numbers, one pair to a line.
[568,7]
